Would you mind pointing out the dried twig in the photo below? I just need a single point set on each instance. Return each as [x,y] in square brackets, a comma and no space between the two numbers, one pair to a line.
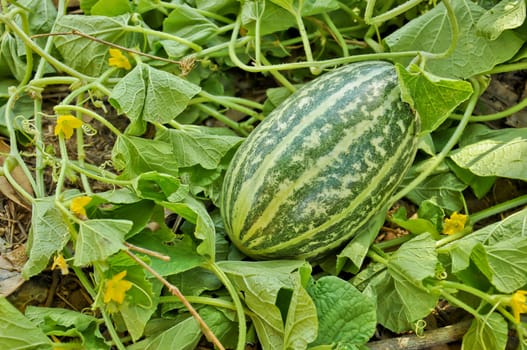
[176,292]
[147,252]
[431,338]
[108,43]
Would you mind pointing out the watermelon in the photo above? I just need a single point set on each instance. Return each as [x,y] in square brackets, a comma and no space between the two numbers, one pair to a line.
[321,165]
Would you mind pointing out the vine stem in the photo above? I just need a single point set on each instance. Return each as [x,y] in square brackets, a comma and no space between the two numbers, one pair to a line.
[446,149]
[109,44]
[109,179]
[338,35]
[225,120]
[494,116]
[231,103]
[454,27]
[14,152]
[305,39]
[41,52]
[176,292]
[163,35]
[385,16]
[111,329]
[242,326]
[498,208]
[68,108]
[298,65]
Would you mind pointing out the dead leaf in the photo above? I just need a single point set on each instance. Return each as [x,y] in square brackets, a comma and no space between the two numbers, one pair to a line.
[11,263]
[20,177]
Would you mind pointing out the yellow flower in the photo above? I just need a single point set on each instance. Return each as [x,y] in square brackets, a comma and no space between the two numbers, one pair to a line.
[116,288]
[60,262]
[117,59]
[66,124]
[519,304]
[78,205]
[455,224]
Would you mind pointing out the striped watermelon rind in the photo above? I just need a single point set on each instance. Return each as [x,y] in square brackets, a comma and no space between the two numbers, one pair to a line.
[322,164]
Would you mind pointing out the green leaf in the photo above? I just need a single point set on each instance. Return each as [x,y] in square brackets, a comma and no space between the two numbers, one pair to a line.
[509,228]
[152,95]
[100,238]
[414,225]
[345,315]
[434,98]
[316,7]
[504,263]
[223,324]
[139,213]
[401,296]
[117,196]
[359,246]
[10,56]
[86,5]
[506,14]
[141,300]
[196,281]
[195,212]
[94,58]
[186,22]
[182,252]
[480,185]
[42,15]
[416,258]
[502,154]
[280,322]
[488,332]
[199,145]
[184,335]
[17,332]
[275,96]
[271,17]
[158,187]
[135,155]
[67,323]
[301,322]
[399,303]
[473,54]
[442,189]
[110,8]
[49,234]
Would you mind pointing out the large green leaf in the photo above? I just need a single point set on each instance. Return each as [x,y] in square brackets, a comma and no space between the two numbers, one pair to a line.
[502,153]
[88,56]
[402,298]
[152,95]
[444,190]
[433,97]
[498,255]
[49,234]
[17,332]
[135,156]
[487,332]
[474,54]
[100,238]
[199,145]
[507,14]
[77,326]
[345,315]
[283,313]
[186,22]
[504,263]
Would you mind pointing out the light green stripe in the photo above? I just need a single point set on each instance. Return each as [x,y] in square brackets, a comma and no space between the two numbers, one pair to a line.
[409,140]
[250,187]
